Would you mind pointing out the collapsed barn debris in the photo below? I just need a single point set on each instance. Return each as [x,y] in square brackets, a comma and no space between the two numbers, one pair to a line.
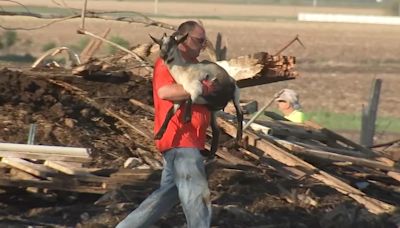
[293,152]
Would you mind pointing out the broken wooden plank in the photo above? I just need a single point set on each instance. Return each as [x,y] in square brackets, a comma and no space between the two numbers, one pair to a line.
[45,149]
[92,47]
[233,159]
[59,150]
[353,153]
[65,167]
[284,128]
[260,80]
[29,167]
[394,175]
[44,156]
[19,174]
[283,170]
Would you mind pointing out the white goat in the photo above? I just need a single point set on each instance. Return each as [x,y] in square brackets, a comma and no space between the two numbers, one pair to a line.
[190,76]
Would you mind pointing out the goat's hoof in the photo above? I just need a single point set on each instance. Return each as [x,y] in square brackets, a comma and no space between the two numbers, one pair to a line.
[243,142]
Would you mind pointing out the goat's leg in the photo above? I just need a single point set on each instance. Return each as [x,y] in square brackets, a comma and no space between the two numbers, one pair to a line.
[215,134]
[164,126]
[239,114]
[187,111]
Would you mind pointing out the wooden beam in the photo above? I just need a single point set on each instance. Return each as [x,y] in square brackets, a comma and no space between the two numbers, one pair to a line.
[44,156]
[65,167]
[285,128]
[394,175]
[59,150]
[29,167]
[369,115]
[261,80]
[92,47]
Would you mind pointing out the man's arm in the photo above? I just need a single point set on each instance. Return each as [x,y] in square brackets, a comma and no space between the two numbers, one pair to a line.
[173,92]
[176,92]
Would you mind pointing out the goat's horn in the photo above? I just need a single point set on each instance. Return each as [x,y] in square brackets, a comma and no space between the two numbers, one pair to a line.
[183,38]
[157,41]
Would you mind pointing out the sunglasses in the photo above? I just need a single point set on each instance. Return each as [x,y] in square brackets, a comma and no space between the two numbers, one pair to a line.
[201,41]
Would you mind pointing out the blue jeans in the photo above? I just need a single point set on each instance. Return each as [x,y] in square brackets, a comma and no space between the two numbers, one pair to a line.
[183,178]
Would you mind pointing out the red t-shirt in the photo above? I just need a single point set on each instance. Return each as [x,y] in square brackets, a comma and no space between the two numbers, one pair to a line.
[178,133]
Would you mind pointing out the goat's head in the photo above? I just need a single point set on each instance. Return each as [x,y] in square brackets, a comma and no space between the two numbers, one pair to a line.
[168,45]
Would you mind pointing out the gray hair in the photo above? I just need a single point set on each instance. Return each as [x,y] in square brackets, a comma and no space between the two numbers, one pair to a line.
[186,27]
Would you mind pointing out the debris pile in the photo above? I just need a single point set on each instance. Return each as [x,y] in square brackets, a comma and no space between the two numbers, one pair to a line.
[295,175]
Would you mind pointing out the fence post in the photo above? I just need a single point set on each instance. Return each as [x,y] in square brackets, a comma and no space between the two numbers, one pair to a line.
[369,113]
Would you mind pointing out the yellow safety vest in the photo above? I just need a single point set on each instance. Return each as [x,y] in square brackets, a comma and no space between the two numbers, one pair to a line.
[296,116]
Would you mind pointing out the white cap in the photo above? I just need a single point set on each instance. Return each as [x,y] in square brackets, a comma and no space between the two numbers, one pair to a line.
[289,96]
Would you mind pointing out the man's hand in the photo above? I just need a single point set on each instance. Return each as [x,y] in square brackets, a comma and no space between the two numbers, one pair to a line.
[208,87]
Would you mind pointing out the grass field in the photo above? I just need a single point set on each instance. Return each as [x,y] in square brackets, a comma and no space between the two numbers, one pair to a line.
[336,67]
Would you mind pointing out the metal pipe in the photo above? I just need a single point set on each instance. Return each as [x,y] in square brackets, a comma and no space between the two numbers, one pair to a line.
[31,136]
[83,15]
[259,112]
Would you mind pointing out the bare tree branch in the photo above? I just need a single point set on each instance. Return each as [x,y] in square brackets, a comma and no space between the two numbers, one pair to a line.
[40,26]
[18,3]
[137,18]
[63,5]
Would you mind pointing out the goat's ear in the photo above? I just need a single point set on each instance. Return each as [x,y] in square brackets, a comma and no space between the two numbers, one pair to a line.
[157,41]
[183,38]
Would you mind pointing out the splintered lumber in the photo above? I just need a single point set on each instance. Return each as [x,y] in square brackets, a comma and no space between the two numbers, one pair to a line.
[285,171]
[43,156]
[67,168]
[260,68]
[92,47]
[271,148]
[73,57]
[44,152]
[29,167]
[394,175]
[283,128]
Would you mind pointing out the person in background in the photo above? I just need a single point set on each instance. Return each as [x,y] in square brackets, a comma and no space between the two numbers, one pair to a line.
[289,104]
[183,178]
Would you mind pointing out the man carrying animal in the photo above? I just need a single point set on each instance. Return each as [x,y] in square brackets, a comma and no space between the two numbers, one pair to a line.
[183,178]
